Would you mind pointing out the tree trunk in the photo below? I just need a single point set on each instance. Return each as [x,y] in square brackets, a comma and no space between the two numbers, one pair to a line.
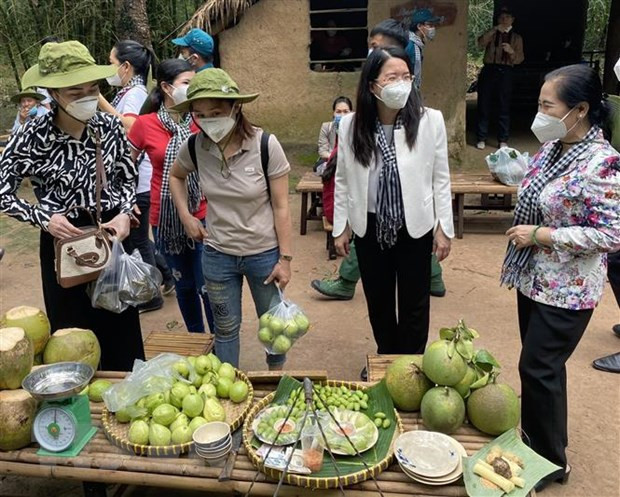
[132,22]
[612,48]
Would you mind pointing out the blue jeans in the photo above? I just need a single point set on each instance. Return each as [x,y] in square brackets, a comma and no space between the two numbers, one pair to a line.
[190,289]
[224,279]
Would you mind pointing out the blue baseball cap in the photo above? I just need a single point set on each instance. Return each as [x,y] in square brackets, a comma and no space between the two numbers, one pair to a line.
[420,16]
[198,40]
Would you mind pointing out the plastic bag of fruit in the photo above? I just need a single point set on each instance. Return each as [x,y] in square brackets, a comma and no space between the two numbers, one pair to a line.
[281,326]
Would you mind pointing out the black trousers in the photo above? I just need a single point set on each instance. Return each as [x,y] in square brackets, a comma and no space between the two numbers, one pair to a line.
[119,335]
[494,92]
[613,273]
[549,335]
[401,272]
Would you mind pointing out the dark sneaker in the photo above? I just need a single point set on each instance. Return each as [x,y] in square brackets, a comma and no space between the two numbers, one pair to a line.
[339,289]
[154,305]
[167,288]
[364,374]
[616,330]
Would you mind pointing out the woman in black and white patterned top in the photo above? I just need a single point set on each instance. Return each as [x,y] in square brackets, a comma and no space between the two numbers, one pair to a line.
[57,152]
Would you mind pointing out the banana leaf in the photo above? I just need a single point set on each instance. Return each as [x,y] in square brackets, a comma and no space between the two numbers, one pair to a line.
[535,467]
[379,400]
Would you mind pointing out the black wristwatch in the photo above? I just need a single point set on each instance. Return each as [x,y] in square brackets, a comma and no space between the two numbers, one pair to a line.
[287,258]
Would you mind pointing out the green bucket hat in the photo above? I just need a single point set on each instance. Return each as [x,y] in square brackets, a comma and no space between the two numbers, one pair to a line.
[65,64]
[27,92]
[213,83]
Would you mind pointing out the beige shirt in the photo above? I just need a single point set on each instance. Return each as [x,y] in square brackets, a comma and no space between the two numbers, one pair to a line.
[327,139]
[239,214]
[492,41]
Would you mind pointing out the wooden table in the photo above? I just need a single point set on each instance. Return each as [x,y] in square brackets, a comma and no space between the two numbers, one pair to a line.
[158,342]
[100,461]
[483,184]
[309,184]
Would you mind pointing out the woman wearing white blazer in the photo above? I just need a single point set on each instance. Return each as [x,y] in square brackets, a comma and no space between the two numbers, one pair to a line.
[393,194]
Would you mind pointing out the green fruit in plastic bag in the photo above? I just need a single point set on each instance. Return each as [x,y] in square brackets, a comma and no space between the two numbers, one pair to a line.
[207,390]
[227,371]
[281,345]
[291,328]
[154,400]
[203,364]
[303,323]
[178,392]
[181,435]
[277,325]
[96,389]
[180,420]
[238,392]
[159,435]
[265,336]
[263,321]
[193,405]
[223,387]
[215,362]
[213,410]
[122,415]
[196,422]
[139,432]
[164,414]
[192,360]
[181,367]
[141,402]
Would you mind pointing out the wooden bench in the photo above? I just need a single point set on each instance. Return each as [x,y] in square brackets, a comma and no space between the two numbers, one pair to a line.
[309,184]
[158,342]
[329,243]
[494,195]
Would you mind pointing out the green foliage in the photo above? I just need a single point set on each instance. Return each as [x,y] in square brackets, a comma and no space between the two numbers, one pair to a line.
[596,26]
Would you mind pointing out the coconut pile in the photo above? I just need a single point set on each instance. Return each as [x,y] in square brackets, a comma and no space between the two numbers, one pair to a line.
[451,380]
[25,341]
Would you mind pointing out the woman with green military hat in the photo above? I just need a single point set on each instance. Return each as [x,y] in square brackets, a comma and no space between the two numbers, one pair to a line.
[29,107]
[244,176]
[57,152]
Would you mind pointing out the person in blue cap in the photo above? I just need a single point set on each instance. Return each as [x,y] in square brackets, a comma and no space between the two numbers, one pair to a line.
[422,29]
[197,48]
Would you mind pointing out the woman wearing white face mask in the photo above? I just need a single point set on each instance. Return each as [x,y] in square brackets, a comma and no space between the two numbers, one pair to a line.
[159,134]
[393,194]
[566,219]
[58,153]
[244,176]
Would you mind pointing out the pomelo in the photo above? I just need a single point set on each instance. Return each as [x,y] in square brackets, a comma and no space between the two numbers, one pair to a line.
[73,345]
[17,411]
[33,321]
[494,408]
[464,385]
[439,367]
[16,357]
[406,382]
[442,409]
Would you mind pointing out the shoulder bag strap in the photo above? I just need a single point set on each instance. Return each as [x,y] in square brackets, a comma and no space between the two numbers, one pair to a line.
[100,178]
[264,159]
[191,145]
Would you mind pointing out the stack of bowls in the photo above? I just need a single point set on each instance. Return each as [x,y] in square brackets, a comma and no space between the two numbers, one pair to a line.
[212,441]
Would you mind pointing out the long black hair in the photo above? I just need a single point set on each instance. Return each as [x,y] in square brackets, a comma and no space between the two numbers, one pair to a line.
[393,29]
[580,83]
[166,72]
[342,100]
[366,116]
[140,57]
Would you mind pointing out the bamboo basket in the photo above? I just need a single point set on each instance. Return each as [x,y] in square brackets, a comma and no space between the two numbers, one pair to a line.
[118,433]
[314,482]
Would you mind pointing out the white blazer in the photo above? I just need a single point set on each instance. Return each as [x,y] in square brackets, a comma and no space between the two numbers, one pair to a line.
[424,178]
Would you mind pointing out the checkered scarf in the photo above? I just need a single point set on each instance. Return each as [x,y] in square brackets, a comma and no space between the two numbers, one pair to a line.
[390,210]
[528,209]
[171,235]
[137,80]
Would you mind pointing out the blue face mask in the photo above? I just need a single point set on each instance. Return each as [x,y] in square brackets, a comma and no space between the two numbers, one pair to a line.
[337,119]
[33,112]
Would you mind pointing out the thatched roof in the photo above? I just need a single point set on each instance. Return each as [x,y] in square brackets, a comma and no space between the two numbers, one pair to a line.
[216,15]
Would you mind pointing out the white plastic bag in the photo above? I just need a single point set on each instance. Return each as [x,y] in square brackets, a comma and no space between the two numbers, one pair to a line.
[281,326]
[508,165]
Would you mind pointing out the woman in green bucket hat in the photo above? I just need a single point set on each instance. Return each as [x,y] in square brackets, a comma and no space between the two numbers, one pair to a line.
[244,176]
[29,107]
[57,152]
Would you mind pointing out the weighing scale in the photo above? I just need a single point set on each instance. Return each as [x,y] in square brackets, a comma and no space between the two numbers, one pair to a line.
[63,425]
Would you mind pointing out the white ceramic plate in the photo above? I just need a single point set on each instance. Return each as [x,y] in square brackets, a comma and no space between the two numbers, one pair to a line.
[427,453]
[445,480]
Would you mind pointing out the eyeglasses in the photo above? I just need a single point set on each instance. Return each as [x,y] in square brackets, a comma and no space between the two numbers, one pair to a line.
[395,78]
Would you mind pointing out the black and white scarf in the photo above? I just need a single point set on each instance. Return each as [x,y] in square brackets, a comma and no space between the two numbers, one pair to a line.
[137,80]
[171,236]
[389,210]
[527,210]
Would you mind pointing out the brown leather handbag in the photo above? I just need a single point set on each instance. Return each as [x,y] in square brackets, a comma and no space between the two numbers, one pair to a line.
[81,258]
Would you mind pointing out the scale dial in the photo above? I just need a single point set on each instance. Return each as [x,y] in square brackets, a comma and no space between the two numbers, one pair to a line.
[55,428]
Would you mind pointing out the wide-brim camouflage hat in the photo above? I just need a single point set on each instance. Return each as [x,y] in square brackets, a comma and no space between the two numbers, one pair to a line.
[65,64]
[213,83]
[27,93]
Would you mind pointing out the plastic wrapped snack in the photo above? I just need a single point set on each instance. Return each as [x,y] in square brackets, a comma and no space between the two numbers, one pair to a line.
[508,165]
[281,326]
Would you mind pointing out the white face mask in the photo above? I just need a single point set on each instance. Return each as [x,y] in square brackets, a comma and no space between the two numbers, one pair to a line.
[179,94]
[114,80]
[617,69]
[217,128]
[548,128]
[395,95]
[83,109]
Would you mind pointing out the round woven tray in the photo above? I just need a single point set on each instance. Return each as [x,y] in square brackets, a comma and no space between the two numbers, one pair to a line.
[118,433]
[313,481]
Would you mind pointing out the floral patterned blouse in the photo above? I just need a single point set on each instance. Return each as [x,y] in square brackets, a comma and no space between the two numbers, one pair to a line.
[582,206]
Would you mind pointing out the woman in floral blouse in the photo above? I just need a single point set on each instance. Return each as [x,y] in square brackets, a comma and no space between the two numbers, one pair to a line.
[566,221]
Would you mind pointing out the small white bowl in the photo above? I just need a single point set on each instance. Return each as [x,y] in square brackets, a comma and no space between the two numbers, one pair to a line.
[214,446]
[214,453]
[211,434]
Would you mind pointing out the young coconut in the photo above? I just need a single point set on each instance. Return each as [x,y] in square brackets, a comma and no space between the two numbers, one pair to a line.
[33,321]
[16,357]
[17,411]
[73,345]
